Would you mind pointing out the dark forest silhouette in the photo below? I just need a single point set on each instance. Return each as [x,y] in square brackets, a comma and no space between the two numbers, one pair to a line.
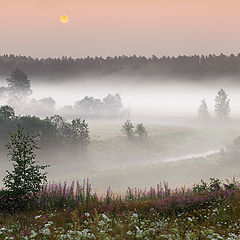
[190,67]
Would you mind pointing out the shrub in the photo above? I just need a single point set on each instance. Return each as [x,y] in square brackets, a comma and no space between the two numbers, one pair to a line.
[141,130]
[127,129]
[12,201]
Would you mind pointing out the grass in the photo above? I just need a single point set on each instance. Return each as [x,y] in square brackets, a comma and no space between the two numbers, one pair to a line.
[109,145]
[205,211]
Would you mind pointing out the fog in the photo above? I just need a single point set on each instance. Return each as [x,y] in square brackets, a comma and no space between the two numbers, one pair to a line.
[167,108]
[143,98]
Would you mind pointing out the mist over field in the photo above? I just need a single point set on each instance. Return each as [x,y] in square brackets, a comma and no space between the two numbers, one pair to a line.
[148,98]
[168,109]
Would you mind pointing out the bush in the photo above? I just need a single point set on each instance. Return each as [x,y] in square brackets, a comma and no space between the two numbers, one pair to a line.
[141,131]
[127,129]
[14,201]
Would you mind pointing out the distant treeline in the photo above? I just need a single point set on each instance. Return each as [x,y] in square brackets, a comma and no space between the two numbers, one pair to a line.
[192,67]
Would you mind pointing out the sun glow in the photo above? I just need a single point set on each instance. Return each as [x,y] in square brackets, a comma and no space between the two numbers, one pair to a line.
[64,19]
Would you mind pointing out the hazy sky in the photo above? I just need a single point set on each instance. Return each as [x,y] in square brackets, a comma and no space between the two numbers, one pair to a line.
[117,27]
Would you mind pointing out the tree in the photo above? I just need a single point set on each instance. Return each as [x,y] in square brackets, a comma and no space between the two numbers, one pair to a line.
[85,105]
[127,129]
[57,121]
[222,108]
[26,176]
[141,130]
[203,113]
[113,103]
[7,112]
[19,84]
[80,131]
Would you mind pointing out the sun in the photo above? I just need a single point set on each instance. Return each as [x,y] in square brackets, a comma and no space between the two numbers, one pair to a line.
[64,19]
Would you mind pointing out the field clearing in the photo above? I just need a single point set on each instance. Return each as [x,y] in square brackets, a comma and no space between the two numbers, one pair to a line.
[114,161]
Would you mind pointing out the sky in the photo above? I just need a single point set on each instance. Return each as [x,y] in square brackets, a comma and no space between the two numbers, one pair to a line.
[119,27]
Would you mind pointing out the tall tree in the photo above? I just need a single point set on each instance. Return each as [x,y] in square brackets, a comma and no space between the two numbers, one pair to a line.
[19,84]
[7,112]
[203,113]
[113,103]
[222,108]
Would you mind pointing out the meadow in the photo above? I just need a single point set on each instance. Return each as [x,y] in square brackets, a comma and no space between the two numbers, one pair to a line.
[114,161]
[208,210]
[184,207]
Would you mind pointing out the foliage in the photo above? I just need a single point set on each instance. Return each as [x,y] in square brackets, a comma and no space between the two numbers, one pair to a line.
[7,112]
[75,132]
[19,84]
[141,130]
[214,184]
[57,121]
[111,105]
[80,131]
[52,131]
[12,201]
[203,113]
[222,108]
[26,176]
[127,129]
[194,67]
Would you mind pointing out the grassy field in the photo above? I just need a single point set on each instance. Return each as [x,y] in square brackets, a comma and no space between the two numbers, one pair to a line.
[114,161]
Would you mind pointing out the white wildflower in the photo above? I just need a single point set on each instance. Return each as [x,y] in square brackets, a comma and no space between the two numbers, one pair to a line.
[45,231]
[33,234]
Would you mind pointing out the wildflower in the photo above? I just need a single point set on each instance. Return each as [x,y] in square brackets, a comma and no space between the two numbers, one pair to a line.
[105,217]
[33,234]
[135,215]
[46,231]
[101,223]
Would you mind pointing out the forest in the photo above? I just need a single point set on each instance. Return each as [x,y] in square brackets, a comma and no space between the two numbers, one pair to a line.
[188,67]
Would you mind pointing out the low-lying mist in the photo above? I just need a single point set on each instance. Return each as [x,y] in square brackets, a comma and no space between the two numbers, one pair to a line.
[164,108]
[144,99]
